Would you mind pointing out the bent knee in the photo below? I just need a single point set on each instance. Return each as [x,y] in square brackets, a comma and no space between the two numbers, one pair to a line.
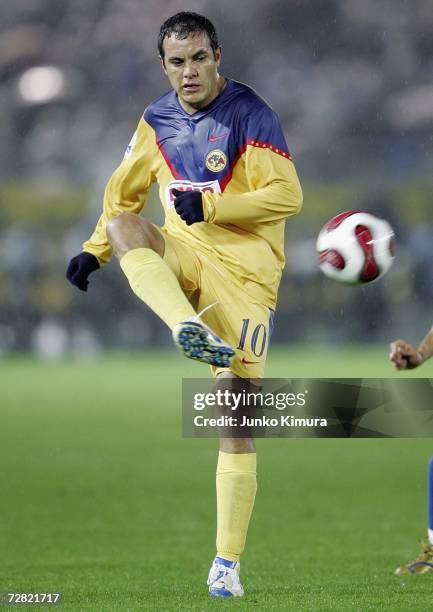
[129,231]
[124,221]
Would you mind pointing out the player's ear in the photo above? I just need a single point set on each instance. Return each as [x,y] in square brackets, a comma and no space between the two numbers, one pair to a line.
[218,55]
[161,60]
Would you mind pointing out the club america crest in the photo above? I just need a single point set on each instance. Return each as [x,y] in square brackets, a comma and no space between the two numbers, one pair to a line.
[216,160]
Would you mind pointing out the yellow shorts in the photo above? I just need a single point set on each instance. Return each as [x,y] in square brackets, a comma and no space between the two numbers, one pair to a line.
[246,326]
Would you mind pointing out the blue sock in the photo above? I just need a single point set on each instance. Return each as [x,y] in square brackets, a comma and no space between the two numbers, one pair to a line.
[430,500]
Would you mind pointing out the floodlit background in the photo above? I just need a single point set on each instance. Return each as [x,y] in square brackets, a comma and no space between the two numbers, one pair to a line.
[101,497]
[351,82]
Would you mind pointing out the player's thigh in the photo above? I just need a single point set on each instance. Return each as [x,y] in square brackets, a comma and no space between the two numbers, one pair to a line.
[182,261]
[246,326]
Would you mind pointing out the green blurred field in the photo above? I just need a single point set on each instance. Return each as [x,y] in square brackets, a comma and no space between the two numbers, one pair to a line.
[103,500]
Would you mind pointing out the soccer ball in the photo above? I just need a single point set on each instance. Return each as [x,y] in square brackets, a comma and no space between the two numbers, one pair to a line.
[356,247]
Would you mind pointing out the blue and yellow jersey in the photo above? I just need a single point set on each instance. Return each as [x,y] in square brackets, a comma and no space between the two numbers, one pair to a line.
[235,153]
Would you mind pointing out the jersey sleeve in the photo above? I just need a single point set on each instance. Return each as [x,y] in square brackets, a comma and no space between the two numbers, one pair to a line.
[274,191]
[127,189]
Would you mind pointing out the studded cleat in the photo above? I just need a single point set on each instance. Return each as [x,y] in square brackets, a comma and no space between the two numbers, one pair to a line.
[224,580]
[196,341]
[423,564]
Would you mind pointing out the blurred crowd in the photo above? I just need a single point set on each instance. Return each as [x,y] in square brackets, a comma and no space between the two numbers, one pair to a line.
[351,82]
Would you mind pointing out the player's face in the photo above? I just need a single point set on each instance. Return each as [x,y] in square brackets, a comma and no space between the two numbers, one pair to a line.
[192,69]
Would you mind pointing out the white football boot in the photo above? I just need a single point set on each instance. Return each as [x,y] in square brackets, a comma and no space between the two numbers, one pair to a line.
[197,341]
[224,580]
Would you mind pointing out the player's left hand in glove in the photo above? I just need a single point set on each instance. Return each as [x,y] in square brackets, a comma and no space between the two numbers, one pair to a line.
[189,205]
[79,269]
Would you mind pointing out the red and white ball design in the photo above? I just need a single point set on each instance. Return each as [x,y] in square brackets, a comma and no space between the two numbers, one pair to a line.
[356,247]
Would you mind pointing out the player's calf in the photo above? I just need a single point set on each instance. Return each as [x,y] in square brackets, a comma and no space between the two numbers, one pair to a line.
[423,564]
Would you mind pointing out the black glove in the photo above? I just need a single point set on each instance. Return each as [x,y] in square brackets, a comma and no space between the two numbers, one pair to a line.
[189,206]
[79,269]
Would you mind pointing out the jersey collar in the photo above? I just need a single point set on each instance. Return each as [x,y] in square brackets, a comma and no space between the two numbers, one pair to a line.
[207,109]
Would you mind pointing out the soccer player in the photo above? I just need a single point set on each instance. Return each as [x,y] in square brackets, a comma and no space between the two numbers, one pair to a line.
[227,183]
[405,356]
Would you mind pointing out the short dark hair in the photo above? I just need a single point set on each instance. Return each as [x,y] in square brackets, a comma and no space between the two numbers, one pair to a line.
[185,23]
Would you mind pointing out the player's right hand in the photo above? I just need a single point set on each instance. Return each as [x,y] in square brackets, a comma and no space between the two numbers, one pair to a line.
[79,269]
[404,356]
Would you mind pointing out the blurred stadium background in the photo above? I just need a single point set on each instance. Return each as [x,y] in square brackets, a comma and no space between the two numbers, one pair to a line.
[352,84]
[101,497]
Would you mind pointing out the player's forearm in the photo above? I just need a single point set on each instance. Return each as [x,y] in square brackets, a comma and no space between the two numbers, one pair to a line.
[272,203]
[123,193]
[273,194]
[98,244]
[426,346]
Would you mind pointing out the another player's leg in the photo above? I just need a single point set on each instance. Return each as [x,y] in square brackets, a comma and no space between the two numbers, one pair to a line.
[236,485]
[139,246]
[423,564]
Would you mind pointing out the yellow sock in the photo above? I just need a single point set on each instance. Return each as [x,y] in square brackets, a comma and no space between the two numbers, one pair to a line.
[154,282]
[236,486]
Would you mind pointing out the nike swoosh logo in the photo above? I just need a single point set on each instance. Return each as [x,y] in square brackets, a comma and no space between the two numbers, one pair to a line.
[248,362]
[214,138]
